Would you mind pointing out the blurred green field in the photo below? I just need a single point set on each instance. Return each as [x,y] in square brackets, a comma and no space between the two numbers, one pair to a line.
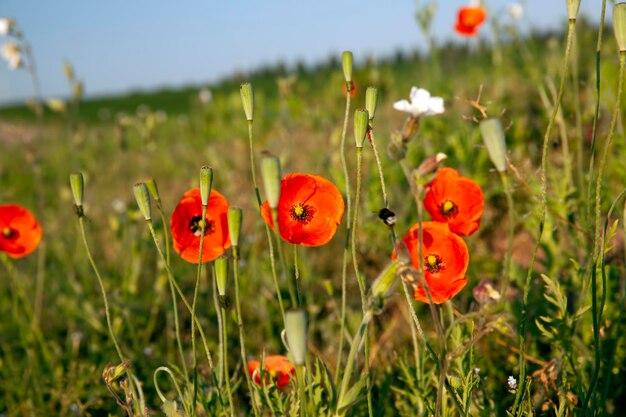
[54,343]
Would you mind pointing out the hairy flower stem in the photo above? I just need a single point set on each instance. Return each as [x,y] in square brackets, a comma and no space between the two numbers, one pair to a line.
[242,344]
[221,312]
[346,248]
[381,176]
[542,218]
[508,257]
[173,282]
[301,389]
[598,247]
[359,277]
[252,166]
[193,311]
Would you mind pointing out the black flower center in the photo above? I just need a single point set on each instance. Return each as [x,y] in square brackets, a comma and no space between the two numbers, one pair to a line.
[448,209]
[301,212]
[9,233]
[195,226]
[433,263]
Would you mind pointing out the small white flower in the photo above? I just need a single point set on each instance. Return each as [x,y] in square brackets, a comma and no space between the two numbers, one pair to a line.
[515,10]
[421,104]
[6,25]
[12,53]
[512,383]
[477,371]
[205,96]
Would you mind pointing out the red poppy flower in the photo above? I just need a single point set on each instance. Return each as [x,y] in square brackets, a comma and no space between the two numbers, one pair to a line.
[309,209]
[455,200]
[277,367]
[469,18]
[20,232]
[186,227]
[445,261]
[353,89]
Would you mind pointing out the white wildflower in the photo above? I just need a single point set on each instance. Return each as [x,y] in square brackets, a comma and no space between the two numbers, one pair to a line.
[512,383]
[6,25]
[477,371]
[421,104]
[11,52]
[515,10]
[205,96]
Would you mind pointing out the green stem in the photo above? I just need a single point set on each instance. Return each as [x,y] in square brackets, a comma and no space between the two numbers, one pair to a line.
[544,204]
[220,329]
[242,344]
[297,275]
[508,257]
[597,315]
[222,313]
[173,282]
[252,166]
[301,389]
[344,269]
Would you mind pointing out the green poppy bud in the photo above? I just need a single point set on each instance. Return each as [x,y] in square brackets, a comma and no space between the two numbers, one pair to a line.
[142,195]
[361,122]
[346,62]
[295,327]
[371,100]
[270,168]
[206,182]
[234,224]
[493,136]
[619,25]
[247,98]
[77,184]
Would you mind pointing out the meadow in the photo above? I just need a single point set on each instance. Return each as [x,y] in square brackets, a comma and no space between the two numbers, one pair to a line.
[400,289]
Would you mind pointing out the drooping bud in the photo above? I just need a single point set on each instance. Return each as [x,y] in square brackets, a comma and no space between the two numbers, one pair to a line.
[619,25]
[142,195]
[361,122]
[206,183]
[234,224]
[572,8]
[221,274]
[154,191]
[346,63]
[397,147]
[295,327]
[493,136]
[247,98]
[430,164]
[270,169]
[371,100]
[385,280]
[77,184]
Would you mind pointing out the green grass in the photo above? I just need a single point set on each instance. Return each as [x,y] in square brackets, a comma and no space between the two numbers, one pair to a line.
[54,366]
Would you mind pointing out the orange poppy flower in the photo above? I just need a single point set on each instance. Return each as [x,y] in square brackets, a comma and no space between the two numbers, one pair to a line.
[455,200]
[469,18]
[353,89]
[185,226]
[20,232]
[445,261]
[277,367]
[309,209]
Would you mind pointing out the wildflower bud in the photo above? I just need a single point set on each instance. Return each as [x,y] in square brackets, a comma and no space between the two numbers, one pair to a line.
[361,121]
[410,128]
[247,98]
[69,70]
[142,195]
[346,63]
[430,164]
[384,282]
[113,373]
[234,224]
[221,274]
[619,25]
[206,183]
[572,8]
[493,136]
[396,148]
[270,168]
[371,99]
[77,184]
[154,191]
[295,327]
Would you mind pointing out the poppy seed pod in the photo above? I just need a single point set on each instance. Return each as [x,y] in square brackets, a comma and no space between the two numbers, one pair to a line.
[234,215]
[247,98]
[493,136]
[361,122]
[619,25]
[221,274]
[206,183]
[142,195]
[270,168]
[371,100]
[77,184]
[346,63]
[295,327]
[572,8]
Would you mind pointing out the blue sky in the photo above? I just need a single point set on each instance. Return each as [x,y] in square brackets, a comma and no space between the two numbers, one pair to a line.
[121,45]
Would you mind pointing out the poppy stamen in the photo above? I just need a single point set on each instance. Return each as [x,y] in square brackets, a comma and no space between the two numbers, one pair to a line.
[434,263]
[8,232]
[301,212]
[448,209]
[195,225]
